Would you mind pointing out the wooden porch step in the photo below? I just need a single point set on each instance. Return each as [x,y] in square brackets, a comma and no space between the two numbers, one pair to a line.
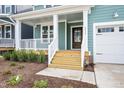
[66,63]
[67,58]
[65,67]
[6,48]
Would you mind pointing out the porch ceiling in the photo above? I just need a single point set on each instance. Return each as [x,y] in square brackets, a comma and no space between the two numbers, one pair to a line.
[68,17]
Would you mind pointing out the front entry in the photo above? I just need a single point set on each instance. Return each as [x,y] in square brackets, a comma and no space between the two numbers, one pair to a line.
[76,37]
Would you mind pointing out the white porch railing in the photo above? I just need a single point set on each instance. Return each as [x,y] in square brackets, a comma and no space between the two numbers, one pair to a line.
[27,43]
[35,44]
[7,42]
[83,47]
[52,48]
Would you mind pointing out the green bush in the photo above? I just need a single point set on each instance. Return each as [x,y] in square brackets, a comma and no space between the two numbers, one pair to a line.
[32,56]
[41,57]
[14,80]
[40,84]
[14,56]
[22,55]
[7,72]
[13,64]
[7,55]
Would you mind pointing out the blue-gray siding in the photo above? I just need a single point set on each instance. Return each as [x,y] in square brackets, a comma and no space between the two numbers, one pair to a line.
[26,31]
[102,13]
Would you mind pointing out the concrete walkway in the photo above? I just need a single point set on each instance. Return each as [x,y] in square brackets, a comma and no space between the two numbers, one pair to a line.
[109,75]
[83,76]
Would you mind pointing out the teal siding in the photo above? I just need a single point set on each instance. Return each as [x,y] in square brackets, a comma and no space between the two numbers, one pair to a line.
[102,13]
[62,35]
[69,33]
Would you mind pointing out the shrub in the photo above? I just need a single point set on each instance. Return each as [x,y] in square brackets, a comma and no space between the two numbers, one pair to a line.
[41,57]
[13,64]
[14,80]
[14,56]
[7,55]
[40,84]
[22,55]
[32,56]
[7,72]
[21,67]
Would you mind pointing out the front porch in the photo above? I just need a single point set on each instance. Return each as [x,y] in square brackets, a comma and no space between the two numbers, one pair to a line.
[55,32]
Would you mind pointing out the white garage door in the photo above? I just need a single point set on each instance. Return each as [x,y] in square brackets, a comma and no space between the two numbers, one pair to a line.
[109,44]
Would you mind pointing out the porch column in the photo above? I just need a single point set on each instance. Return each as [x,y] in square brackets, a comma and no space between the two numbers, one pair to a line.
[55,29]
[85,27]
[17,34]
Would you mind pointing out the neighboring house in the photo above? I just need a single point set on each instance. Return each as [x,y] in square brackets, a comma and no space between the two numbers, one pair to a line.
[7,28]
[97,30]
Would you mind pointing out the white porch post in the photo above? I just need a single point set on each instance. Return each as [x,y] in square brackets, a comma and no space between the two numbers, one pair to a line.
[17,34]
[85,27]
[55,29]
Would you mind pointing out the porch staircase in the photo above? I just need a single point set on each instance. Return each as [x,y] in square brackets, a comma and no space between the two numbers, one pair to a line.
[67,60]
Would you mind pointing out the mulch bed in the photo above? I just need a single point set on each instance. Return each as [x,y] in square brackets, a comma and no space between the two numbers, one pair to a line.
[89,67]
[29,76]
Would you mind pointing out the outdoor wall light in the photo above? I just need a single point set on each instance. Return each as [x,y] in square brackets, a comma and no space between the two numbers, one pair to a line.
[115,15]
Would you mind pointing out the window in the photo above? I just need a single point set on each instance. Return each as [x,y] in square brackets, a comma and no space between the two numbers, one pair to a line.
[8,31]
[107,29]
[47,33]
[121,29]
[8,9]
[37,31]
[0,32]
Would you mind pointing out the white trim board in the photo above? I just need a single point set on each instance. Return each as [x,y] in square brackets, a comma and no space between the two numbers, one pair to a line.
[95,25]
[71,35]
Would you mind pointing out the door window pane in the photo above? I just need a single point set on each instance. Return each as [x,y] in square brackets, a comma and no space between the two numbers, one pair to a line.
[77,36]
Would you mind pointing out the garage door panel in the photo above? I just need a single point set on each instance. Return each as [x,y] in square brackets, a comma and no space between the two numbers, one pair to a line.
[109,47]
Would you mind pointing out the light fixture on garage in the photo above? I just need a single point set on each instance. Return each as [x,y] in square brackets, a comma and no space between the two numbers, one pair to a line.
[115,15]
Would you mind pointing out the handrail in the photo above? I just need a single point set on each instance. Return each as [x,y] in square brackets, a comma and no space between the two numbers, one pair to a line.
[52,48]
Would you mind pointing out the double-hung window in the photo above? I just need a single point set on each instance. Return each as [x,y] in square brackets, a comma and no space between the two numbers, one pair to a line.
[0,32]
[8,9]
[8,31]
[47,33]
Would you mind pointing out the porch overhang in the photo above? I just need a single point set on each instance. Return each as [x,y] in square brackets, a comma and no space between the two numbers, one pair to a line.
[6,19]
[66,9]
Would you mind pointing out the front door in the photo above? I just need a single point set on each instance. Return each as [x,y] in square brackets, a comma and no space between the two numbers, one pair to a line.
[76,37]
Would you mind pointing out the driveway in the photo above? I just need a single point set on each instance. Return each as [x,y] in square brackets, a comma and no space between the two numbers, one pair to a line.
[109,75]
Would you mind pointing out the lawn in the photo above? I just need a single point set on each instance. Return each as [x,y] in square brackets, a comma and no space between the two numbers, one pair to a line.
[28,70]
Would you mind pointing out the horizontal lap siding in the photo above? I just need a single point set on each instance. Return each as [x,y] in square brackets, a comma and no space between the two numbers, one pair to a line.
[102,13]
[62,35]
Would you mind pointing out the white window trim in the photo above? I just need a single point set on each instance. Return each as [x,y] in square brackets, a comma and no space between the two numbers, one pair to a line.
[1,32]
[5,31]
[6,7]
[95,25]
[71,35]
[43,24]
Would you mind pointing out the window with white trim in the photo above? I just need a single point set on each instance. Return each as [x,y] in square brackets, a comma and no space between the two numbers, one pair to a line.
[106,29]
[8,31]
[0,32]
[8,9]
[37,31]
[121,29]
[47,33]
